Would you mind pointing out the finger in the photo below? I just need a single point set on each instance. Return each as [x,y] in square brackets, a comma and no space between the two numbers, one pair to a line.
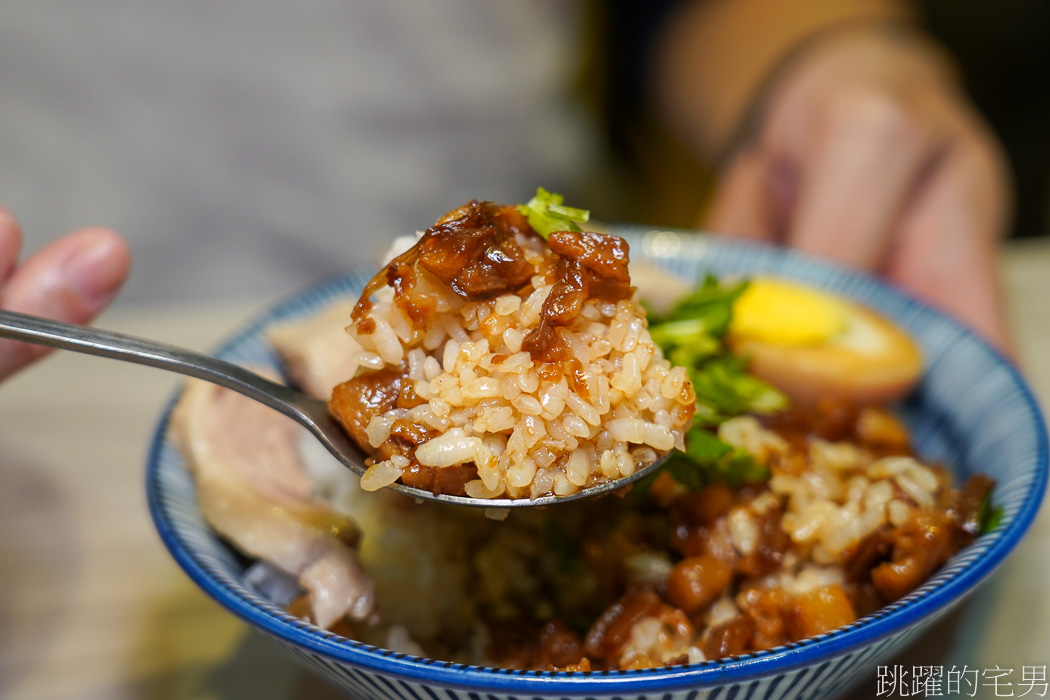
[743,202]
[71,279]
[10,243]
[855,181]
[948,242]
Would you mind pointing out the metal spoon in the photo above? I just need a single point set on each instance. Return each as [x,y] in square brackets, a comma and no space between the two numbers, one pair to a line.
[310,412]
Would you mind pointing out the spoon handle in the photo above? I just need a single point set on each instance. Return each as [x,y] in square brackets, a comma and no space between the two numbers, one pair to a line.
[119,346]
[310,412]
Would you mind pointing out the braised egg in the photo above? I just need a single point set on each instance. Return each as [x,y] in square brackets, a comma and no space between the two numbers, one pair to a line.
[813,345]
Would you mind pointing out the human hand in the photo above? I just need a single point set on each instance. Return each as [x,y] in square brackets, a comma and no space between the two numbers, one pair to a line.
[866,152]
[72,279]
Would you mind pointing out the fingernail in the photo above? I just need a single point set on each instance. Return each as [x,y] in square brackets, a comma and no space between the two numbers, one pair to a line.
[10,243]
[97,270]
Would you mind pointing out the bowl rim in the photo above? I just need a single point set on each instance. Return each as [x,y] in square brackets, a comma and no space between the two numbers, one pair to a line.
[934,597]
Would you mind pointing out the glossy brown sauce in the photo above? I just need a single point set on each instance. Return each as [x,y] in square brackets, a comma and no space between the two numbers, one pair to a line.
[590,266]
[418,308]
[472,250]
[476,252]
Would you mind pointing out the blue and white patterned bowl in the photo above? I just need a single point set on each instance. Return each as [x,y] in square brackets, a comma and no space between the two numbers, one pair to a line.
[971,410]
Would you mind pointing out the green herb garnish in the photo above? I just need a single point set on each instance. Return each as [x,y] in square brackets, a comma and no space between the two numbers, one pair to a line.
[547,213]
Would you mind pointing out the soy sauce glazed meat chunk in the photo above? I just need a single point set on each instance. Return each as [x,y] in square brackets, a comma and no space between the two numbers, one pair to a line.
[474,251]
[524,363]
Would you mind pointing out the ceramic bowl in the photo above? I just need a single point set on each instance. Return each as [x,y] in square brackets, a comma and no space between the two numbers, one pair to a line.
[971,409]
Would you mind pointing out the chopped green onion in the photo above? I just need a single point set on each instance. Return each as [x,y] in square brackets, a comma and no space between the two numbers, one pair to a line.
[677,333]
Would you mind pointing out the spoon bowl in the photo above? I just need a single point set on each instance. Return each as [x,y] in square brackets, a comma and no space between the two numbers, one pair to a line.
[306,410]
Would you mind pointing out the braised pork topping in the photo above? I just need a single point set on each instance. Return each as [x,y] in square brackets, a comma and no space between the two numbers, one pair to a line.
[479,252]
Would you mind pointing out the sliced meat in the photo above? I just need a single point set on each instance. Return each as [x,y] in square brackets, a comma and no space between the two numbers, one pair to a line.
[659,288]
[318,353]
[254,490]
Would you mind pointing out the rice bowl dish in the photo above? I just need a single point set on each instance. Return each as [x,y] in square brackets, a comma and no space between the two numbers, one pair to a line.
[645,639]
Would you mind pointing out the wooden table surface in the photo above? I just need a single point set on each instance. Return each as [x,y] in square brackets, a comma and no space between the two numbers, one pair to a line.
[92,606]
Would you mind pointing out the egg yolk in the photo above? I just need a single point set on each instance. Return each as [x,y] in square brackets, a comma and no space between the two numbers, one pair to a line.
[779,313]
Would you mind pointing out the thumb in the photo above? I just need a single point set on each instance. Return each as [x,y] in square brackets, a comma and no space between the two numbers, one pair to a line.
[71,279]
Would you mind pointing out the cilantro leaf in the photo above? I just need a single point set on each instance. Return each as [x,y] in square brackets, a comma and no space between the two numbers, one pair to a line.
[547,213]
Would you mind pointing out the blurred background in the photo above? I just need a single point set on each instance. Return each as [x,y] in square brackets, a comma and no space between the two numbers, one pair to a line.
[248,148]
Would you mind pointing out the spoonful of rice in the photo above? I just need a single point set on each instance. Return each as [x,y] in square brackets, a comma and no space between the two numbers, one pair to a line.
[504,355]
[311,413]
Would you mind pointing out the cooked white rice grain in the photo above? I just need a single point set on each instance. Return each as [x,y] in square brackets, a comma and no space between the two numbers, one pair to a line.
[454,447]
[743,530]
[383,473]
[900,513]
[368,359]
